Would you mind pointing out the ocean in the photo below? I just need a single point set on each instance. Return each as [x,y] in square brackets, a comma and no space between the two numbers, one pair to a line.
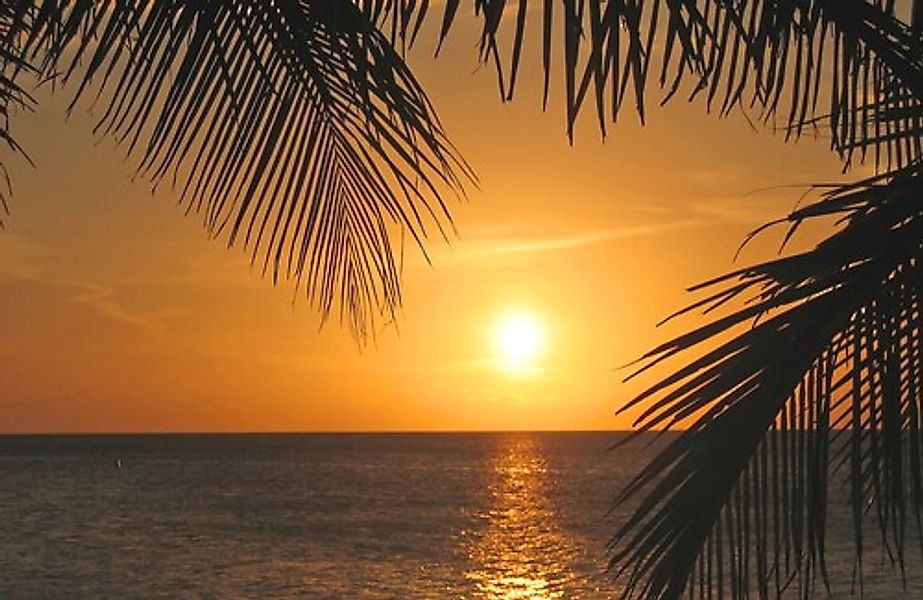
[492,515]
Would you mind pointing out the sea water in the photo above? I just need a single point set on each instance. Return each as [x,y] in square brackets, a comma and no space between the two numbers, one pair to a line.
[493,515]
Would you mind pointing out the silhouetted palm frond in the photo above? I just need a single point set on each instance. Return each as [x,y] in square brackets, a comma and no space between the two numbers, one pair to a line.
[294,127]
[829,375]
[12,95]
[824,382]
[797,63]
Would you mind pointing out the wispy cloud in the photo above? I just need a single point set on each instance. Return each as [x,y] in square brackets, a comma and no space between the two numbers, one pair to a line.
[586,238]
[506,243]
[750,211]
[103,301]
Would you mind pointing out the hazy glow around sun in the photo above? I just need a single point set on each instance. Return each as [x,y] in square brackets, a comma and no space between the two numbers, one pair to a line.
[518,339]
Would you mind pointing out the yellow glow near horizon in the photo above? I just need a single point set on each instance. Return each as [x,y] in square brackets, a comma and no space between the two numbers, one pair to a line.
[519,339]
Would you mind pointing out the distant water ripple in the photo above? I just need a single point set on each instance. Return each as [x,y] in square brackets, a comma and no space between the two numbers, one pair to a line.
[321,516]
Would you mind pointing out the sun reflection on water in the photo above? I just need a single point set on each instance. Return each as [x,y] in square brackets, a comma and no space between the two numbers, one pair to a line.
[521,552]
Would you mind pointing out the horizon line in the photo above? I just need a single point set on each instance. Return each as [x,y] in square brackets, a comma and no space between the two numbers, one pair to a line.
[316,432]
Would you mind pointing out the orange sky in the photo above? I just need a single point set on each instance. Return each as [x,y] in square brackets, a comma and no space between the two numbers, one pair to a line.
[118,315]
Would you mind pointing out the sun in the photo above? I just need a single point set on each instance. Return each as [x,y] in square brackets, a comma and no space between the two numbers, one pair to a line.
[518,339]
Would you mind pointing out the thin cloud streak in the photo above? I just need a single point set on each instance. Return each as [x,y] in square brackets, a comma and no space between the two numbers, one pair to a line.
[517,246]
[102,300]
[590,238]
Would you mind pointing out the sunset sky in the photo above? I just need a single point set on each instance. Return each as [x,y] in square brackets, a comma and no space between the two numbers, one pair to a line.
[117,313]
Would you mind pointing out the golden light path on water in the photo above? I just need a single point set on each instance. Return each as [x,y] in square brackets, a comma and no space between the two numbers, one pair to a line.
[522,553]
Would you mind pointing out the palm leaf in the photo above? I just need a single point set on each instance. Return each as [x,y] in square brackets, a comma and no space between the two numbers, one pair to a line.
[797,64]
[294,128]
[826,379]
[830,375]
[12,96]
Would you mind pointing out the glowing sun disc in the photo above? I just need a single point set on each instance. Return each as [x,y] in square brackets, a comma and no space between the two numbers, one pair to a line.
[518,338]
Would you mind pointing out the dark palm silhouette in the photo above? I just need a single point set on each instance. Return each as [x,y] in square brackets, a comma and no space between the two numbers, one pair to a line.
[297,129]
[294,128]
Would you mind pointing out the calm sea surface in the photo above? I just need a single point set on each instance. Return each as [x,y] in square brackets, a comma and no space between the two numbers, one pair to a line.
[518,515]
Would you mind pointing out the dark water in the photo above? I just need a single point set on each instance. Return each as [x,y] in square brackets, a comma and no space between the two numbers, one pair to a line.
[352,515]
